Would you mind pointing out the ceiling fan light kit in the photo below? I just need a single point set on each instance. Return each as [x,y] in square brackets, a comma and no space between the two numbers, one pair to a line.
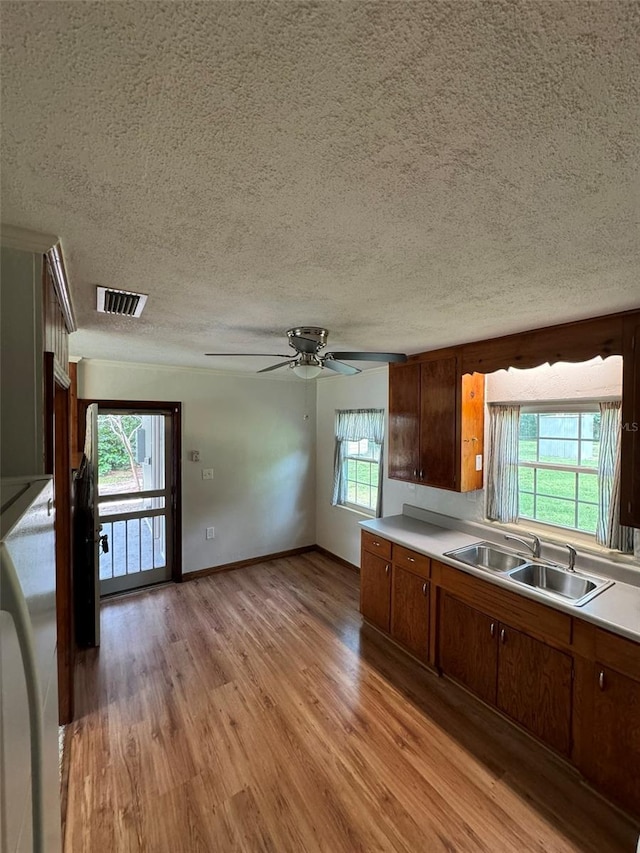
[307,341]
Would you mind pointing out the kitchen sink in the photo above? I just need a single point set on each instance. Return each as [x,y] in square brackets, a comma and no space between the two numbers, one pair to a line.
[484,555]
[554,581]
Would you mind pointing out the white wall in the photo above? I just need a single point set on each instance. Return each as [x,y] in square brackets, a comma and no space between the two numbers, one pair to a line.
[253,433]
[337,528]
[593,379]
[21,398]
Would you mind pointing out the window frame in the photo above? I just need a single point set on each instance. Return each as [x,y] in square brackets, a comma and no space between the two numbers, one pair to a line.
[559,407]
[357,507]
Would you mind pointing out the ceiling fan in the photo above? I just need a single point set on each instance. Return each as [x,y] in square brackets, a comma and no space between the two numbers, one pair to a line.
[307,341]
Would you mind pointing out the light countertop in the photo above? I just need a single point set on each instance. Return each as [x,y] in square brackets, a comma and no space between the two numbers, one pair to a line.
[616,608]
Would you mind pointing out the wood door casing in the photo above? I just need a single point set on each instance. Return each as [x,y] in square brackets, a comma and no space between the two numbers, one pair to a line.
[410,612]
[375,590]
[439,460]
[615,744]
[404,421]
[535,687]
[468,647]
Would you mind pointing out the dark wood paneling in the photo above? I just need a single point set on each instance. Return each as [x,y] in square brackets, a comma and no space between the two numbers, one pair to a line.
[439,459]
[472,431]
[375,590]
[410,612]
[630,448]
[404,421]
[579,341]
[614,760]
[376,545]
[56,336]
[534,687]
[537,619]
[64,567]
[75,457]
[617,652]
[411,560]
[467,644]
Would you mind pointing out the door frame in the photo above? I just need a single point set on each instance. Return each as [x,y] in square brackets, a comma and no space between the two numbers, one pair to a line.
[175,412]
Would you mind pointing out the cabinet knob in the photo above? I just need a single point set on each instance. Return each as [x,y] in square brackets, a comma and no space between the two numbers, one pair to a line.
[377,544]
[601,680]
[492,629]
[410,559]
[424,588]
[503,636]
[386,569]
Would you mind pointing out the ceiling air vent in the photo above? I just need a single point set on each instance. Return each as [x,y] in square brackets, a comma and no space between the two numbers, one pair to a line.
[122,302]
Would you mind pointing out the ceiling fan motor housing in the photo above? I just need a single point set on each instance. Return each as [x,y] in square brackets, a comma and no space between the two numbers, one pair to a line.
[299,338]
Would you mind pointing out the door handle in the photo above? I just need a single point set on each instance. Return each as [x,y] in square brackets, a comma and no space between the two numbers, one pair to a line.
[503,636]
[104,542]
[601,680]
[421,474]
[386,569]
[424,588]
[492,629]
[410,560]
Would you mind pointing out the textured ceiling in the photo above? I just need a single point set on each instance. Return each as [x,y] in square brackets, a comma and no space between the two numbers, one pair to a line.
[408,175]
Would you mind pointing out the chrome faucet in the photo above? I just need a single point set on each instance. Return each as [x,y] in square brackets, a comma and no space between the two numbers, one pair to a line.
[572,557]
[534,546]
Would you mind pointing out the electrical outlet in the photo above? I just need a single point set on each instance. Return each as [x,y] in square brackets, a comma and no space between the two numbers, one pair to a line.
[211,532]
[207,473]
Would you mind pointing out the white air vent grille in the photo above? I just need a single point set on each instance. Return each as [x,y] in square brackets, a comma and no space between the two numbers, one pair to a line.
[122,302]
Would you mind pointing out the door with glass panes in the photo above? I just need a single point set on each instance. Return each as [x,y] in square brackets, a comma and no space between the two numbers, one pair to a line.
[134,498]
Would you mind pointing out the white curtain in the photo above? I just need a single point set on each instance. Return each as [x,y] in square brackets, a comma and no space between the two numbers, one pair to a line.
[609,531]
[502,476]
[354,425]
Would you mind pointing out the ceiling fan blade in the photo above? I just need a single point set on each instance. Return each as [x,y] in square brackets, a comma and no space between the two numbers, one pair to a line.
[276,366]
[369,356]
[339,367]
[245,354]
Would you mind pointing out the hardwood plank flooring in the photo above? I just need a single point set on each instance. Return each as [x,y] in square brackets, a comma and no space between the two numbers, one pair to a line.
[252,711]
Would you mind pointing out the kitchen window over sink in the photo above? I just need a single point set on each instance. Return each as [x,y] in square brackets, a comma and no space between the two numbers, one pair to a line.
[558,465]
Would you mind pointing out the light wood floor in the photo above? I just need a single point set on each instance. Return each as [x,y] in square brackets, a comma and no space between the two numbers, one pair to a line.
[250,711]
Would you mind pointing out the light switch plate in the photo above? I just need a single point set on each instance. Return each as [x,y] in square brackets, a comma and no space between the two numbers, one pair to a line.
[478,461]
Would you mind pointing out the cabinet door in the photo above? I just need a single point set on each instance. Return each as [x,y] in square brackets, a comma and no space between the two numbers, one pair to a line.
[404,421]
[630,443]
[410,611]
[439,433]
[468,647]
[615,755]
[375,590]
[534,687]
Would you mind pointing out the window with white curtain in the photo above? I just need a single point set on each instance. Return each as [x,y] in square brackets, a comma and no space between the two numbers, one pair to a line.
[567,461]
[357,482]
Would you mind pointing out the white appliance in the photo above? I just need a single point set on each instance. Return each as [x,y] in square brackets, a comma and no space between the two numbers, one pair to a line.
[29,765]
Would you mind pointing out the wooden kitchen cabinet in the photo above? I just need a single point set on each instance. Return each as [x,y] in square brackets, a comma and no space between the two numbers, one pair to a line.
[410,611]
[615,758]
[534,687]
[375,590]
[436,423]
[630,443]
[468,647]
[527,678]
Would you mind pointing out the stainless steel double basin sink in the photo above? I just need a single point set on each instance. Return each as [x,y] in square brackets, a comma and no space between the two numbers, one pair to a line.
[553,581]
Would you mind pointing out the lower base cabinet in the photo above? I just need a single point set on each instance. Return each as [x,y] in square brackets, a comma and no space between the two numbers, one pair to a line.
[375,590]
[535,687]
[526,679]
[410,611]
[468,647]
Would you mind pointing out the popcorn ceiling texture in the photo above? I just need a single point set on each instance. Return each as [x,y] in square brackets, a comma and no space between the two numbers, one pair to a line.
[410,175]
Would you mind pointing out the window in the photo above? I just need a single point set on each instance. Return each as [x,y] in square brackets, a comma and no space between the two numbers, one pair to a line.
[558,454]
[357,478]
[361,474]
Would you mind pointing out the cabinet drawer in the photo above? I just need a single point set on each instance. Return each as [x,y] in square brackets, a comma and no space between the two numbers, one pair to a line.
[376,545]
[411,560]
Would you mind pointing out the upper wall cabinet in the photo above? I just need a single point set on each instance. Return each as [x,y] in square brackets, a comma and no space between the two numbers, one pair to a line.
[630,450]
[436,423]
